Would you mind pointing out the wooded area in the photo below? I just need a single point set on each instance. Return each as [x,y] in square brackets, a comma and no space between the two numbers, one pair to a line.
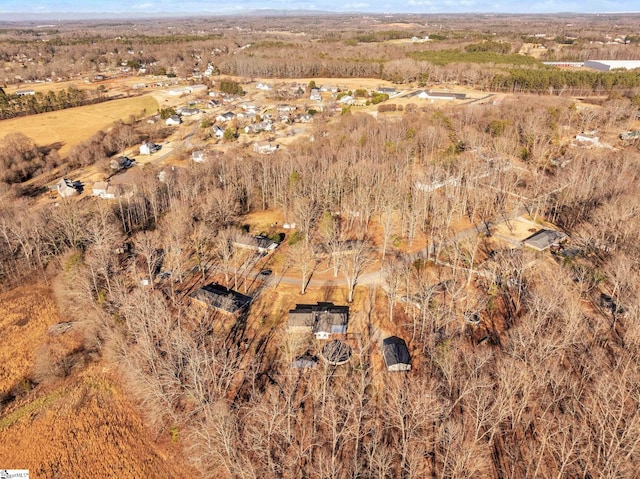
[523,363]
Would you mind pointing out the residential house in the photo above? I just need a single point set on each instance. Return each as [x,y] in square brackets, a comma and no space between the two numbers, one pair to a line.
[396,354]
[315,95]
[66,187]
[188,111]
[544,239]
[221,299]
[265,147]
[387,90]
[148,148]
[121,163]
[329,88]
[213,103]
[347,100]
[258,127]
[173,120]
[249,107]
[323,319]
[217,131]
[284,108]
[106,191]
[259,243]
[198,156]
[263,86]
[224,117]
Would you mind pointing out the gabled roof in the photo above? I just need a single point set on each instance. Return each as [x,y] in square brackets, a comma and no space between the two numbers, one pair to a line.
[396,353]
[260,243]
[321,317]
[218,297]
[544,239]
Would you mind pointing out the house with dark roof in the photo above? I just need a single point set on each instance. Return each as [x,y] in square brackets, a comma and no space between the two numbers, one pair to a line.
[228,116]
[259,243]
[121,163]
[544,239]
[220,298]
[396,354]
[324,320]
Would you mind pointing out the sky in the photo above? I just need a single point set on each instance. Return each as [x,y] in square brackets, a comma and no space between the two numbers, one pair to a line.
[51,8]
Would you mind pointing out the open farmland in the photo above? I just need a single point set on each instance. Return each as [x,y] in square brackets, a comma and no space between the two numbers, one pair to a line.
[74,125]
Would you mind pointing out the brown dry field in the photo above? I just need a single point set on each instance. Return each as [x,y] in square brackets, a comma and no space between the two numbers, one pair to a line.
[85,426]
[25,315]
[74,125]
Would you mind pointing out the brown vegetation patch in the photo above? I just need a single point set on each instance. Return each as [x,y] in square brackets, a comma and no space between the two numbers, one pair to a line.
[25,315]
[86,428]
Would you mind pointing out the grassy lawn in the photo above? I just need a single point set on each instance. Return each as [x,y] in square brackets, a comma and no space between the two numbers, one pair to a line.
[74,125]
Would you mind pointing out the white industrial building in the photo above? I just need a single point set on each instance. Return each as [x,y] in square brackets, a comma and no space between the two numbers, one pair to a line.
[608,65]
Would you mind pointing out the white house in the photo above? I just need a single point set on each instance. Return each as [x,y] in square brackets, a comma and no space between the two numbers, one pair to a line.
[103,190]
[66,188]
[198,156]
[347,100]
[263,86]
[173,120]
[228,116]
[217,131]
[148,148]
[265,148]
[315,95]
[188,111]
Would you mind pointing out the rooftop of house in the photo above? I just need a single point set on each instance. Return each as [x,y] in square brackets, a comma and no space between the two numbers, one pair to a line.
[319,317]
[544,239]
[395,351]
[221,298]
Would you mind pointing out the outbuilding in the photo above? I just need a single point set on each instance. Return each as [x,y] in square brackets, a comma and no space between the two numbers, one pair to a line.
[396,354]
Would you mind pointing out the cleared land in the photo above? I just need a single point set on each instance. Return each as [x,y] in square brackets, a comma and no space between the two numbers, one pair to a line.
[74,125]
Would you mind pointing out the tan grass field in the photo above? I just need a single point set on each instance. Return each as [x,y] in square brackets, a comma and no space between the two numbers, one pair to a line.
[25,315]
[74,125]
[84,426]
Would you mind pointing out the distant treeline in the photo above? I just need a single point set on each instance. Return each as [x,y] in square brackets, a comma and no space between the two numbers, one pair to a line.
[12,105]
[543,79]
